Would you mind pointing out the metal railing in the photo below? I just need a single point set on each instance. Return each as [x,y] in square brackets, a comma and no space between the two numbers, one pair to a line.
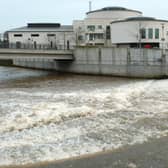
[35,46]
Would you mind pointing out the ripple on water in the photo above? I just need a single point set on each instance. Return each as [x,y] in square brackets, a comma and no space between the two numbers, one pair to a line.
[71,115]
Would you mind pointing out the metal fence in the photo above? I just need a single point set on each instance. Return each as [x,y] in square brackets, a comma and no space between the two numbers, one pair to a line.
[35,46]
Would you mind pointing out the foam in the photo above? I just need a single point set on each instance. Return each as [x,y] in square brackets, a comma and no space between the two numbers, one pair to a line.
[49,124]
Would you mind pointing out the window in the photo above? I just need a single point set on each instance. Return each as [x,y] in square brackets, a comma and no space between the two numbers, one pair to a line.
[34,35]
[96,36]
[99,36]
[91,28]
[18,35]
[80,28]
[143,33]
[100,27]
[91,37]
[150,33]
[80,37]
[108,33]
[156,33]
[51,35]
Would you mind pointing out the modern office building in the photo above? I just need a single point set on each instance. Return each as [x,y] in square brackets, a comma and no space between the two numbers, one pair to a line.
[42,35]
[140,32]
[95,28]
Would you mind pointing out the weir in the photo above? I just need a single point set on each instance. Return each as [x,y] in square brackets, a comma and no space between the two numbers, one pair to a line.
[124,62]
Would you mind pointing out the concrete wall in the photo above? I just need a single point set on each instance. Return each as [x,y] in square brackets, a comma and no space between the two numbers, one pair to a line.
[120,62]
[147,63]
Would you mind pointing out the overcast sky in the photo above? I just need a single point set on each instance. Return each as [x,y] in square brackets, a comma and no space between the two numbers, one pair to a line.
[16,13]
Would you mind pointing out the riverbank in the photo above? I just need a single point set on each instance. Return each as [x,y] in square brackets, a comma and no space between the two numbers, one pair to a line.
[152,154]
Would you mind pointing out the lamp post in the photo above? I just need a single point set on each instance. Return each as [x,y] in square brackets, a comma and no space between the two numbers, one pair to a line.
[139,34]
[163,56]
[163,40]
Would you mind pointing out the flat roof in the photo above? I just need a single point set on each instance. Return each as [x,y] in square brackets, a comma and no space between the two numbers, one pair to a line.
[42,25]
[140,18]
[43,28]
[113,8]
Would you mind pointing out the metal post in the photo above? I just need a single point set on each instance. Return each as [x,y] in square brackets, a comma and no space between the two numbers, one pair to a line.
[64,40]
[140,34]
[90,6]
[163,40]
[163,56]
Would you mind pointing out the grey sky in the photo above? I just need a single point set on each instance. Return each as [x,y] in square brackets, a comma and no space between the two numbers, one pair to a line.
[16,13]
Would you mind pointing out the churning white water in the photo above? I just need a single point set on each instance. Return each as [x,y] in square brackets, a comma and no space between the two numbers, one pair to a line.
[45,116]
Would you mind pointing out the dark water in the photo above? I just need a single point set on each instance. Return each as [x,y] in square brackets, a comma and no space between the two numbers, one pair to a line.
[45,116]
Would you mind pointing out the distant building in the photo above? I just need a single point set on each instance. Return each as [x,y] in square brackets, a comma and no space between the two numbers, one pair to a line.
[109,26]
[42,35]
[143,32]
[95,28]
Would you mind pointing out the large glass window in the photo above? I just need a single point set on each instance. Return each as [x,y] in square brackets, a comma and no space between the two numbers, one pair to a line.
[91,37]
[91,28]
[143,33]
[156,33]
[108,33]
[96,36]
[100,36]
[150,33]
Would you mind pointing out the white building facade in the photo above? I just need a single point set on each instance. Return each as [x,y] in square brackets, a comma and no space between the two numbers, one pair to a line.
[109,26]
[143,32]
[42,36]
[95,28]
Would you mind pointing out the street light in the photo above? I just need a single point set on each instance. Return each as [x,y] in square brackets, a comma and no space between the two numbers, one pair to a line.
[163,39]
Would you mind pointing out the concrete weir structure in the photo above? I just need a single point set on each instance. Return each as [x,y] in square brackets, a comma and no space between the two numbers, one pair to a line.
[125,62]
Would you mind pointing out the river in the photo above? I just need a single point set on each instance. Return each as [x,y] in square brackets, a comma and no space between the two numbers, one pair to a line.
[46,116]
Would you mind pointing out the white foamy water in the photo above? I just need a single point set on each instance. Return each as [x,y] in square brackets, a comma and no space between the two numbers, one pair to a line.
[51,117]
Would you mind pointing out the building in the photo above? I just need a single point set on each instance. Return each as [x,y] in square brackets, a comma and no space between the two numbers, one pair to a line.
[42,36]
[143,32]
[95,28]
[109,26]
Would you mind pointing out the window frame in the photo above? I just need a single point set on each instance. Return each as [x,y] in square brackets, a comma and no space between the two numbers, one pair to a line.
[143,33]
[150,33]
[91,27]
[157,33]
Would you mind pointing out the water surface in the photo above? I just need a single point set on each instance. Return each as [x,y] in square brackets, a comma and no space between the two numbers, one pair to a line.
[45,116]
